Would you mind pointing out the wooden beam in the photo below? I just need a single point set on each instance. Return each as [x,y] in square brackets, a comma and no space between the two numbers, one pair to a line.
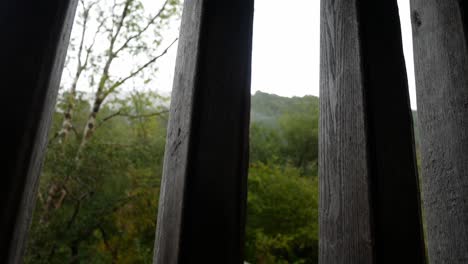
[203,194]
[441,67]
[32,51]
[369,194]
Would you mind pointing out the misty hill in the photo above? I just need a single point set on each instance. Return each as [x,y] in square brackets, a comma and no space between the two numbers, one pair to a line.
[268,108]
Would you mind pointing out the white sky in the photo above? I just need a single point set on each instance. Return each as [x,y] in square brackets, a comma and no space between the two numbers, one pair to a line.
[287,45]
[286,48]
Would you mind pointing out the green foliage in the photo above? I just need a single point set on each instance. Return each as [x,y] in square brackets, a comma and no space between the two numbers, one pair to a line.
[268,108]
[109,212]
[300,131]
[282,216]
[285,131]
[265,143]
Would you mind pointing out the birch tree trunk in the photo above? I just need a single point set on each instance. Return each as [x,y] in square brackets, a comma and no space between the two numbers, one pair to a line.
[120,36]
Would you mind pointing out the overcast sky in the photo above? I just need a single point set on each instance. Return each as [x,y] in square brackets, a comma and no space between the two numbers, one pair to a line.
[287,45]
[286,48]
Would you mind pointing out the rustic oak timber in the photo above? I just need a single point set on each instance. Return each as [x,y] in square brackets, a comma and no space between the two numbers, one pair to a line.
[203,194]
[369,194]
[441,67]
[34,42]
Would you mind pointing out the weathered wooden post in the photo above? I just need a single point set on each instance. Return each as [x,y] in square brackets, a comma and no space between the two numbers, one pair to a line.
[203,194]
[32,50]
[369,195]
[441,62]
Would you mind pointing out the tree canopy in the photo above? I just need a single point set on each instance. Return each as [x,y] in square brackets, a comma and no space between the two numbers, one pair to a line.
[99,189]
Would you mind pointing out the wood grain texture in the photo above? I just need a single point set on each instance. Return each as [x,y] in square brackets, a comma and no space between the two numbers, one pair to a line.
[344,208]
[203,195]
[34,42]
[441,67]
[369,192]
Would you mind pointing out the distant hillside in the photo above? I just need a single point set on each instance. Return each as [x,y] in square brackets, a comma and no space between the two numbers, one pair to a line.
[267,108]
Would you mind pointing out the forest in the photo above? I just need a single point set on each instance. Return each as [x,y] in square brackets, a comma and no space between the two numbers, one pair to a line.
[104,210]
[99,189]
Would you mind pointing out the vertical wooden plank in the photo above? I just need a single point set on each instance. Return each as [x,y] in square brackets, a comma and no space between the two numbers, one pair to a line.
[441,67]
[394,179]
[369,194]
[345,234]
[203,194]
[34,41]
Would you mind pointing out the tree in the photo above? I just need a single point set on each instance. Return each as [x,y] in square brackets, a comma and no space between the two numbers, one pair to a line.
[109,213]
[282,216]
[78,195]
[300,132]
[122,34]
[265,143]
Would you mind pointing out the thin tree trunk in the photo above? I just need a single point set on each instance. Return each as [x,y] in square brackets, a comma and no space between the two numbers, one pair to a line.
[100,96]
[81,66]
[75,252]
[112,251]
[67,117]
[55,198]
[90,126]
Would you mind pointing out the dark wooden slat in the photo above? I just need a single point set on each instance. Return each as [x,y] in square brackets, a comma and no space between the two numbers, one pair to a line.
[344,208]
[394,178]
[441,67]
[32,50]
[203,194]
[369,194]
